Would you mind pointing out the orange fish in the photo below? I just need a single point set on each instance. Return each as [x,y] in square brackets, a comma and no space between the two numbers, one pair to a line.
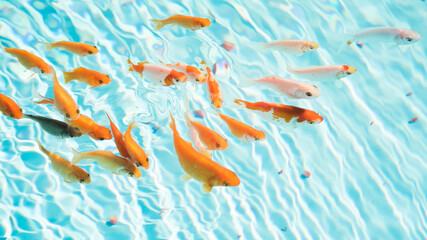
[241,130]
[213,89]
[88,126]
[199,166]
[194,74]
[30,61]
[62,101]
[158,74]
[280,113]
[82,49]
[137,154]
[192,23]
[118,139]
[91,77]
[9,107]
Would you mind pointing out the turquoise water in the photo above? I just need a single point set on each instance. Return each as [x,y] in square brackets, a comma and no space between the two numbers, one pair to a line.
[367,181]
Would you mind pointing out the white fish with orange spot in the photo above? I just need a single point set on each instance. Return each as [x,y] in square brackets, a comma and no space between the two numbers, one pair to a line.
[158,74]
[194,74]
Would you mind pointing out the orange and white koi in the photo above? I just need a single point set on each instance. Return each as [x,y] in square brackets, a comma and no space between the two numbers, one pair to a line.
[118,139]
[30,61]
[136,153]
[241,130]
[213,89]
[292,46]
[282,114]
[89,127]
[201,167]
[192,23]
[324,73]
[91,77]
[194,74]
[9,107]
[158,74]
[82,49]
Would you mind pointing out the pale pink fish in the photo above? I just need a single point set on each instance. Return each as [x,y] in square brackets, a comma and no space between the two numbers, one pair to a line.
[194,74]
[324,73]
[385,34]
[292,46]
[290,88]
[158,74]
[228,46]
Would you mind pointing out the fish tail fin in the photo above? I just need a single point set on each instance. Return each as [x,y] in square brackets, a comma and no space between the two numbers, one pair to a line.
[240,103]
[261,46]
[48,46]
[131,69]
[67,77]
[246,82]
[130,127]
[172,124]
[45,100]
[345,39]
[44,150]
[77,156]
[158,24]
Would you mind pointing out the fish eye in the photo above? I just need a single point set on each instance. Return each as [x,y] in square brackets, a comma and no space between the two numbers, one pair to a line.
[408,39]
[217,145]
[82,180]
[42,71]
[88,175]
[256,139]
[310,122]
[197,80]
[95,47]
[311,47]
[100,81]
[226,184]
[138,164]
[20,109]
[67,116]
[11,115]
[147,160]
[176,80]
[90,52]
[102,139]
[78,111]
[308,94]
[130,174]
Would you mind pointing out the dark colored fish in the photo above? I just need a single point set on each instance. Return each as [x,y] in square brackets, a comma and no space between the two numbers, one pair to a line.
[55,127]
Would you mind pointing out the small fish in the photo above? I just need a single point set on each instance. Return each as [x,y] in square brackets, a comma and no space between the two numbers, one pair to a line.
[241,130]
[69,172]
[9,107]
[372,123]
[213,89]
[228,46]
[282,114]
[82,49]
[297,47]
[324,73]
[409,94]
[109,161]
[385,34]
[199,166]
[291,88]
[118,139]
[63,102]
[88,126]
[188,22]
[136,153]
[194,74]
[158,74]
[91,77]
[280,172]
[54,127]
[30,61]
[413,120]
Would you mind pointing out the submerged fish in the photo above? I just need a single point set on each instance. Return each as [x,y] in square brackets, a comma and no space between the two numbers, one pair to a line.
[69,172]
[324,73]
[82,49]
[118,139]
[137,154]
[292,46]
[109,161]
[213,89]
[91,77]
[30,61]
[201,167]
[88,126]
[9,107]
[192,23]
[385,34]
[55,127]
[241,130]
[194,74]
[158,74]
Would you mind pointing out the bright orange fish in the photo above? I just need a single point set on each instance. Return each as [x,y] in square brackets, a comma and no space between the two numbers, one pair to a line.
[213,89]
[9,107]
[194,74]
[158,74]
[280,113]
[192,23]
[88,126]
[137,154]
[82,49]
[91,77]
[241,130]
[200,167]
[30,61]
[118,139]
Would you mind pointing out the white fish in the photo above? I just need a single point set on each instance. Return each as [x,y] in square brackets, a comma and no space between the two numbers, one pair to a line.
[158,74]
[291,88]
[324,73]
[385,34]
[292,46]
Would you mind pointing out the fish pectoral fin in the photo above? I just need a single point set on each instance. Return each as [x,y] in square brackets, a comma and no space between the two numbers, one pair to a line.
[185,177]
[206,188]
[66,181]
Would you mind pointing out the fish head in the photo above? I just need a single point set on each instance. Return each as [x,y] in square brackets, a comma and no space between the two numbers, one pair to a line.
[89,50]
[310,117]
[200,78]
[227,178]
[177,77]
[201,23]
[131,171]
[15,112]
[219,143]
[101,133]
[307,91]
[348,70]
[407,37]
[309,46]
[258,135]
[73,131]
[78,175]
[102,79]
[43,68]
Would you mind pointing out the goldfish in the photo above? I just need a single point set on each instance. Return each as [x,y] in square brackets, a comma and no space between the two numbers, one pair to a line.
[297,47]
[69,172]
[55,127]
[118,139]
[199,166]
[188,22]
[291,88]
[193,74]
[9,107]
[136,153]
[62,101]
[280,113]
[30,61]
[241,130]
[91,77]
[82,49]
[324,73]
[385,34]
[109,161]
[158,74]
[88,126]
[213,89]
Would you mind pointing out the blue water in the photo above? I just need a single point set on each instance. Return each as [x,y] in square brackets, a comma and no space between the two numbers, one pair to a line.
[367,181]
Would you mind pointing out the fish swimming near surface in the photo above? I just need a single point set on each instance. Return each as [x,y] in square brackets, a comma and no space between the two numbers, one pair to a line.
[91,77]
[118,139]
[136,153]
[82,49]
[54,127]
[385,34]
[241,130]
[88,126]
[30,61]
[70,173]
[200,167]
[324,73]
[194,74]
[158,74]
[109,161]
[188,22]
[213,89]
[9,107]
[297,47]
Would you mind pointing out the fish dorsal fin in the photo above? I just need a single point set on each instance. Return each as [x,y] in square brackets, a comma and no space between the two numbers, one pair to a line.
[206,188]
[185,177]
[143,62]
